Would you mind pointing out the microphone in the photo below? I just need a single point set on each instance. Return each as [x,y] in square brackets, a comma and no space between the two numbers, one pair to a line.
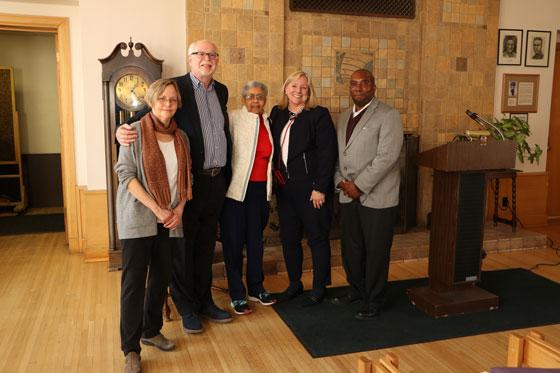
[484,123]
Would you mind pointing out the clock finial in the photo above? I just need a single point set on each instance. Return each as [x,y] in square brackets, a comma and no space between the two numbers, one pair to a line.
[130,43]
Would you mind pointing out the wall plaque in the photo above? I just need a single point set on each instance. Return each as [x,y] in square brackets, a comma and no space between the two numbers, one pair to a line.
[377,8]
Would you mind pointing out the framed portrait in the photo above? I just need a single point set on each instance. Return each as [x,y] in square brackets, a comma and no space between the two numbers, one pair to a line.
[520,93]
[522,116]
[510,42]
[537,48]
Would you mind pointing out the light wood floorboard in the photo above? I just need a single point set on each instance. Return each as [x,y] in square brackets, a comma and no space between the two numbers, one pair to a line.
[59,314]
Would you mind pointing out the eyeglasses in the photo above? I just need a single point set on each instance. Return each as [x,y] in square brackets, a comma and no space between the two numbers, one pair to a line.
[171,100]
[210,55]
[255,97]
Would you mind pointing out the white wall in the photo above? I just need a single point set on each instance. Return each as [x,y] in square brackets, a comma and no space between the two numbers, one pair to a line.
[33,59]
[531,15]
[96,26]
[160,25]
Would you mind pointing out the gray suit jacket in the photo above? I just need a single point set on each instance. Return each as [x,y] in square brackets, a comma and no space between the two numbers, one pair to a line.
[370,159]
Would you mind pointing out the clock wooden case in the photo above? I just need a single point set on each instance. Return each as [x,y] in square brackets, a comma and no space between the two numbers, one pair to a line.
[126,74]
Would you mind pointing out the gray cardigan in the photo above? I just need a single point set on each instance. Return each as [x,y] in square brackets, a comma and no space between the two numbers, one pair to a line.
[134,220]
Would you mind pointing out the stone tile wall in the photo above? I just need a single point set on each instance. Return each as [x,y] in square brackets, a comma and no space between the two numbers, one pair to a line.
[431,68]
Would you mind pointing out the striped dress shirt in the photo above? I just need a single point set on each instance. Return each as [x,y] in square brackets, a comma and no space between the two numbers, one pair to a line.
[212,124]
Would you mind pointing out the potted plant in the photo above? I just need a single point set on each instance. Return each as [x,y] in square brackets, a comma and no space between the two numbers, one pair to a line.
[518,130]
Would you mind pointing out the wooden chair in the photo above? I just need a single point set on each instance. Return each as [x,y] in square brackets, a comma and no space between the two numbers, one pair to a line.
[532,351]
[387,364]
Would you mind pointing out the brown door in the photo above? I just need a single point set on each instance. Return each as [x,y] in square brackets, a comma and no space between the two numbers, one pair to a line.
[553,155]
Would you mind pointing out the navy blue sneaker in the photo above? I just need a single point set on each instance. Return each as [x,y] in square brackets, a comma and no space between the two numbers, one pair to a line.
[263,298]
[191,323]
[240,307]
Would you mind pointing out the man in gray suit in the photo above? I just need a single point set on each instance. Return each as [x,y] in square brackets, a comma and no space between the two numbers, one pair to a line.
[370,138]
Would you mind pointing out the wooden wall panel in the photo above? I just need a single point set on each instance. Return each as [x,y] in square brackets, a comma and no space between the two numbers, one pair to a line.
[94,225]
[532,190]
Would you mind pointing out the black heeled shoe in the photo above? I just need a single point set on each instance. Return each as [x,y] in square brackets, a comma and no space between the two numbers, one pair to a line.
[289,293]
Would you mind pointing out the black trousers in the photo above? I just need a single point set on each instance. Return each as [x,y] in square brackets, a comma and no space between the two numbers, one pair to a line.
[242,224]
[192,260]
[141,302]
[367,236]
[297,214]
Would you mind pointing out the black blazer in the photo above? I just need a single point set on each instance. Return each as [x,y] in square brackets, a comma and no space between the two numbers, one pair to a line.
[312,151]
[188,120]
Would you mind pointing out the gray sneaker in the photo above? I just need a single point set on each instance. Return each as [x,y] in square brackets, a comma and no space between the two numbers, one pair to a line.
[160,342]
[132,363]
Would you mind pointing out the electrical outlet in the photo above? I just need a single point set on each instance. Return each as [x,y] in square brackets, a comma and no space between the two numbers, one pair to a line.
[505,202]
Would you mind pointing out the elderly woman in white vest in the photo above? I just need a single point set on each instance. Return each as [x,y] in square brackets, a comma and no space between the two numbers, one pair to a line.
[245,210]
[154,185]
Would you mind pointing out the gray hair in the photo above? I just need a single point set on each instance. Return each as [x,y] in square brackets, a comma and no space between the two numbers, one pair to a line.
[254,84]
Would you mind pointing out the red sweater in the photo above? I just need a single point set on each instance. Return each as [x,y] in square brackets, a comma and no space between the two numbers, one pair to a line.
[262,154]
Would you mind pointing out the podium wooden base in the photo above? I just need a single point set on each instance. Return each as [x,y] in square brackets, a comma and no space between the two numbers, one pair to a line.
[465,300]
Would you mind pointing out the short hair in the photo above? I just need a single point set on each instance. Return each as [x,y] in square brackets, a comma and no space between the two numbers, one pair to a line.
[537,38]
[156,89]
[512,38]
[192,46]
[310,103]
[367,72]
[253,84]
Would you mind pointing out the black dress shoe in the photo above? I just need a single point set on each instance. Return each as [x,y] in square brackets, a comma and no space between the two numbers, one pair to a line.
[289,293]
[367,314]
[215,314]
[344,300]
[313,300]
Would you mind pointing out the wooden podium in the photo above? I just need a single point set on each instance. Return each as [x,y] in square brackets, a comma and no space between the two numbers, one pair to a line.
[457,227]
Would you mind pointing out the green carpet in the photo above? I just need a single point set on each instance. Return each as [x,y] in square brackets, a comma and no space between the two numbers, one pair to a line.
[25,224]
[526,300]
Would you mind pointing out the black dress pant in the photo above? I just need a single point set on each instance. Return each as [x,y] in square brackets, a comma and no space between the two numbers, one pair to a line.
[192,260]
[242,224]
[297,215]
[141,302]
[367,236]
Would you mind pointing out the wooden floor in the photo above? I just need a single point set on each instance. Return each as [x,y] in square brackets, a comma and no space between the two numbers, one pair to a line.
[59,314]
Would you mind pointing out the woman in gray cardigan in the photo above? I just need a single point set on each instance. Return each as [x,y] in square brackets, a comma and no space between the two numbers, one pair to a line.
[154,185]
[245,210]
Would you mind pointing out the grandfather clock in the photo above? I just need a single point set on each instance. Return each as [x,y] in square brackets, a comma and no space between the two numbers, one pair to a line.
[126,75]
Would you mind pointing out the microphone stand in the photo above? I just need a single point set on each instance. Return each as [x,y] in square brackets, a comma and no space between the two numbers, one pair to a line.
[484,123]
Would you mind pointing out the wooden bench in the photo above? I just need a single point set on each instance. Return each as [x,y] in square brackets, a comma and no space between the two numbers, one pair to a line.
[387,364]
[532,351]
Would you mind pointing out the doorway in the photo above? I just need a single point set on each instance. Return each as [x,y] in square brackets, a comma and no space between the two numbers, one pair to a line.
[32,57]
[59,28]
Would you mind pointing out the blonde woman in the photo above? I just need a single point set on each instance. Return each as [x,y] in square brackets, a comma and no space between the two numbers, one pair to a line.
[304,159]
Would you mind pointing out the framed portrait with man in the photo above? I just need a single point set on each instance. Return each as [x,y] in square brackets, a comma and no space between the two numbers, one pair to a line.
[537,48]
[510,42]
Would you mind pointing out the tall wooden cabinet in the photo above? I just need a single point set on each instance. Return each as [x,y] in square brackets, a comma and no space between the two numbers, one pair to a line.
[12,189]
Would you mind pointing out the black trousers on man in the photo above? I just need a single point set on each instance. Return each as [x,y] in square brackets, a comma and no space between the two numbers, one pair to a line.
[367,237]
[297,214]
[192,261]
[141,303]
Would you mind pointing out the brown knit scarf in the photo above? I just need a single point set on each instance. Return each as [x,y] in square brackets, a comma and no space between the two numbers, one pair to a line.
[154,163]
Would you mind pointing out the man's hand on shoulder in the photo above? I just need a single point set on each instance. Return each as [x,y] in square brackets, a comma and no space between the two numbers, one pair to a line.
[126,135]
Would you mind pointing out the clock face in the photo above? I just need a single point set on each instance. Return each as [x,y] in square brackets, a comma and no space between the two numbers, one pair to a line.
[130,91]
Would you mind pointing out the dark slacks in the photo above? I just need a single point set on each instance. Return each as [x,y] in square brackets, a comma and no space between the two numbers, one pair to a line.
[367,236]
[192,260]
[297,214]
[141,303]
[242,224]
